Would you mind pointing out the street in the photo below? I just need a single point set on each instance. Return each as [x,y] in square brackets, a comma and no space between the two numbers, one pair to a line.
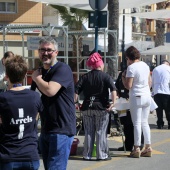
[120,160]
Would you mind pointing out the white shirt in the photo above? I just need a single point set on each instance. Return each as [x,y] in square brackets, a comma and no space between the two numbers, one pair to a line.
[139,71]
[161,79]
[2,75]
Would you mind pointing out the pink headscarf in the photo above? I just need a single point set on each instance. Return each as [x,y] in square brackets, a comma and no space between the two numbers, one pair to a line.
[95,61]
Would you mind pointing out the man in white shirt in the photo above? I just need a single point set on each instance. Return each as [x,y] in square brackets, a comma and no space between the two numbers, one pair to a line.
[161,91]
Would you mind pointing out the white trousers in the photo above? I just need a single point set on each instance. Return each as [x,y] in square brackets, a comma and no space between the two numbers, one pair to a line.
[140,109]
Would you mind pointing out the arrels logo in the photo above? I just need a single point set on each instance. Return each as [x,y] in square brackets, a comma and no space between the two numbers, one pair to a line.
[21,121]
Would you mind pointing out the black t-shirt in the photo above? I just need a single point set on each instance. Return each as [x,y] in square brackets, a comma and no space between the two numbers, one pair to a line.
[95,83]
[58,115]
[122,91]
[18,131]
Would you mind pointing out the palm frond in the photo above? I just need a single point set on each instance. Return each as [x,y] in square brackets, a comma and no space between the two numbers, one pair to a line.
[61,9]
[72,17]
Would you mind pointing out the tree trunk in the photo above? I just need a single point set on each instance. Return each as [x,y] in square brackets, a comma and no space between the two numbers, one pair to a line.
[73,61]
[160,27]
[113,8]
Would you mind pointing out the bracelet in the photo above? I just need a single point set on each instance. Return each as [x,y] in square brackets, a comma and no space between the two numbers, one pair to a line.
[76,102]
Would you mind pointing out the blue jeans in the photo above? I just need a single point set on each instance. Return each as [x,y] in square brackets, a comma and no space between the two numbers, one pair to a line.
[32,165]
[55,150]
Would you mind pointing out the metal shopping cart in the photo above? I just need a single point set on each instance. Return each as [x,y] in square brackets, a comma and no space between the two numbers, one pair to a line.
[79,121]
[116,126]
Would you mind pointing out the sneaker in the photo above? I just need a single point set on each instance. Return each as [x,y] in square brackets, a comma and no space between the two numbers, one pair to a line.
[87,158]
[106,159]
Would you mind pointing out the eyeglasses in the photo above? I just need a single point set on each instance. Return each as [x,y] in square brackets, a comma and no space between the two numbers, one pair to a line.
[126,58]
[48,50]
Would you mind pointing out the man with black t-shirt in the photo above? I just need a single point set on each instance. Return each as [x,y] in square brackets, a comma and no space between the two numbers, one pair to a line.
[58,120]
[18,128]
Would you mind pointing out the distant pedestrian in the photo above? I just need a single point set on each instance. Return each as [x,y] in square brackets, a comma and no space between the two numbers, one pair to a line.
[18,128]
[161,92]
[3,80]
[58,119]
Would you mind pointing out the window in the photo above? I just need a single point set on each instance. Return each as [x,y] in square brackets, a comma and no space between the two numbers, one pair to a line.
[8,6]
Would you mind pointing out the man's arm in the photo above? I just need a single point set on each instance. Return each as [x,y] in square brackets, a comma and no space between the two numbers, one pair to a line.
[48,88]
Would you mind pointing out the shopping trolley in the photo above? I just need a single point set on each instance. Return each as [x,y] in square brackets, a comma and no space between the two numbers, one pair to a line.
[116,126]
[79,121]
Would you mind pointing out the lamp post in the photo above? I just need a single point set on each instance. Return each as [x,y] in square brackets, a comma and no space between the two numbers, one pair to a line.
[123,43]
[96,25]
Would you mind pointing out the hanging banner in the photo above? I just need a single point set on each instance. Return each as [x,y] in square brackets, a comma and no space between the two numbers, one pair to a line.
[33,43]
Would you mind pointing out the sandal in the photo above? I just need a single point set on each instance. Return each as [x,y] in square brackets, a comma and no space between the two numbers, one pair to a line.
[135,153]
[147,152]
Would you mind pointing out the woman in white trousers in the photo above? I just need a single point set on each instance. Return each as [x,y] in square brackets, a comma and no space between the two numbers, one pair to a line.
[137,80]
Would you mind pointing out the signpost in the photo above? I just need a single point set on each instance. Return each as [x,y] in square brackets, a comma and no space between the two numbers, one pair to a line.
[97,6]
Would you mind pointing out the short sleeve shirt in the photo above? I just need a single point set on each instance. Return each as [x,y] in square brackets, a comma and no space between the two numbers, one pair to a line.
[18,131]
[139,71]
[161,79]
[95,83]
[58,115]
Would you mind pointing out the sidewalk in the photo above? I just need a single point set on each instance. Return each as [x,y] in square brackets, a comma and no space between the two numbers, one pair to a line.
[120,159]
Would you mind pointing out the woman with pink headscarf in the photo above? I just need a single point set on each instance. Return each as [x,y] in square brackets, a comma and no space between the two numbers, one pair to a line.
[95,86]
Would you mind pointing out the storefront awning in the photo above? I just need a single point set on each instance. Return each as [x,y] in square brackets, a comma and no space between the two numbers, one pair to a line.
[163,14]
[123,4]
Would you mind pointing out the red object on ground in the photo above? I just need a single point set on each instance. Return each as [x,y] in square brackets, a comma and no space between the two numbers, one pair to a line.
[74,146]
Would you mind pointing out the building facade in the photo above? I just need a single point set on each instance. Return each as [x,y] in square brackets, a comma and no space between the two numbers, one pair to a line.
[18,13]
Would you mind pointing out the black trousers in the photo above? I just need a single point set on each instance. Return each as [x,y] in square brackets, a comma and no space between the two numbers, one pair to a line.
[163,102]
[128,129]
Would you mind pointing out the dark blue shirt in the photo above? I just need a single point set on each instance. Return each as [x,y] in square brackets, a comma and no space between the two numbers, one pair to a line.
[58,115]
[18,131]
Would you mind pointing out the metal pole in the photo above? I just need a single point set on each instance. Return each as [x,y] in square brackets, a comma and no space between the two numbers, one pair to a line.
[105,49]
[23,52]
[66,34]
[123,43]
[78,74]
[96,25]
[4,39]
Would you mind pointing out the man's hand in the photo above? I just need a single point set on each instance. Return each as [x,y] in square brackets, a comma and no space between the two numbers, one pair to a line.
[37,74]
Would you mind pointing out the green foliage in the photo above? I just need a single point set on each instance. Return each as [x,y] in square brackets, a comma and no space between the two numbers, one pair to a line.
[72,17]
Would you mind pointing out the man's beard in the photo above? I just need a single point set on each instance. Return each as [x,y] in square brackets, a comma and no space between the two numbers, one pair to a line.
[46,59]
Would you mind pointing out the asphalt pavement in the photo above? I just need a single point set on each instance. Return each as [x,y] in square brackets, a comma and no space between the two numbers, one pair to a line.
[160,159]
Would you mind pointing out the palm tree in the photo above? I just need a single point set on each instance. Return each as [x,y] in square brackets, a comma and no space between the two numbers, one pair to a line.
[113,8]
[160,25]
[73,18]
